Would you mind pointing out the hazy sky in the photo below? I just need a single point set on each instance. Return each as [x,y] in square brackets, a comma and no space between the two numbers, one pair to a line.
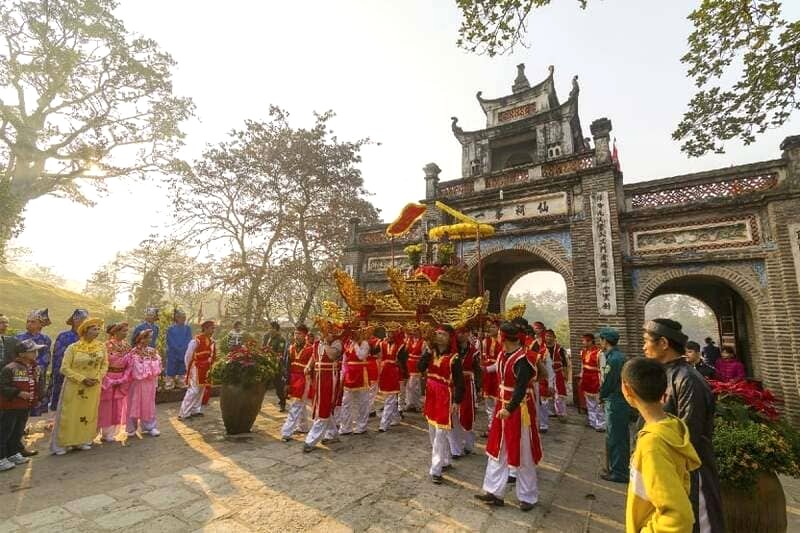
[392,72]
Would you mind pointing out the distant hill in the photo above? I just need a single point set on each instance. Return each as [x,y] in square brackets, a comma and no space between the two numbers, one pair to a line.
[19,295]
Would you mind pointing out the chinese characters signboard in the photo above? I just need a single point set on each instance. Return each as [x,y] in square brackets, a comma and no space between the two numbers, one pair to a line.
[547,205]
[603,255]
[517,112]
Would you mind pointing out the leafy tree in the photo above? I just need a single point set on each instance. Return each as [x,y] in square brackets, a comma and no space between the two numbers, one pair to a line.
[548,307]
[82,100]
[743,58]
[278,199]
[103,285]
[697,319]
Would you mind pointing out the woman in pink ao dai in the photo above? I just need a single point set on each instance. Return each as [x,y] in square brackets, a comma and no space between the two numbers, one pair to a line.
[115,384]
[145,369]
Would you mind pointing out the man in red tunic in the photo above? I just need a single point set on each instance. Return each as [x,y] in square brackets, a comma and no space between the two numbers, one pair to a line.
[514,439]
[324,361]
[300,390]
[200,355]
[543,392]
[462,437]
[373,372]
[415,347]
[562,374]
[444,391]
[490,388]
[393,350]
[355,379]
[590,382]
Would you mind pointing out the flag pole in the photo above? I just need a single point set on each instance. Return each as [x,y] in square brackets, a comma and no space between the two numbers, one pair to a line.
[480,267]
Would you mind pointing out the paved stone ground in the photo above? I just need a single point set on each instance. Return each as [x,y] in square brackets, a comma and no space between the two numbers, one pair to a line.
[193,478]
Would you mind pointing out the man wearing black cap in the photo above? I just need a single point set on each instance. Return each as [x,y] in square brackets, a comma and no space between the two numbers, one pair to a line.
[689,397]
[710,352]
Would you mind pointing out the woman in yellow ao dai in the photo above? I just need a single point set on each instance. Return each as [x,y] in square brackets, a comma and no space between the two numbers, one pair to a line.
[85,363]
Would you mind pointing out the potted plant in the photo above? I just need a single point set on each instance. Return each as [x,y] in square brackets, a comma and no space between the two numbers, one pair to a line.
[243,374]
[414,254]
[752,446]
[445,252]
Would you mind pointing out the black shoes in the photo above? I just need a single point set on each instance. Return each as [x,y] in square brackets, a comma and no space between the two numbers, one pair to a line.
[307,448]
[525,506]
[613,479]
[512,480]
[286,439]
[490,499]
[28,453]
[437,480]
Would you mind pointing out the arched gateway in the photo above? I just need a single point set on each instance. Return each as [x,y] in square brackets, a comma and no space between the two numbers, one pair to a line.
[728,237]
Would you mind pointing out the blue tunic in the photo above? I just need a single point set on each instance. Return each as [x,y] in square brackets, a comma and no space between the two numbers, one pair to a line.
[43,360]
[143,326]
[178,338]
[64,339]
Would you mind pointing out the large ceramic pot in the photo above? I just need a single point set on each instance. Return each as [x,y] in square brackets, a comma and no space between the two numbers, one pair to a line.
[763,509]
[240,406]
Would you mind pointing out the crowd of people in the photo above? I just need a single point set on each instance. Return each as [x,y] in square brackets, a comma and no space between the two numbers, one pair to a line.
[332,378]
[106,387]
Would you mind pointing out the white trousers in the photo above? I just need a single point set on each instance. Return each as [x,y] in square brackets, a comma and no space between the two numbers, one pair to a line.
[391,412]
[333,429]
[541,409]
[296,418]
[401,400]
[597,418]
[496,477]
[459,438]
[414,392]
[440,449]
[355,411]
[147,425]
[109,433]
[489,404]
[193,397]
[373,394]
[320,429]
[556,405]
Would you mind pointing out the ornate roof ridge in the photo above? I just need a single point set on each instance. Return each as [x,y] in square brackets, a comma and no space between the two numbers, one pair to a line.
[535,89]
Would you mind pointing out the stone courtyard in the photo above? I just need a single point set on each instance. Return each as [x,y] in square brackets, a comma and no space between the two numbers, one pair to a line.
[193,478]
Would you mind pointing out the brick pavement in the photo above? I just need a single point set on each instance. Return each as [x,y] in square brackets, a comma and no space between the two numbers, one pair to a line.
[194,478]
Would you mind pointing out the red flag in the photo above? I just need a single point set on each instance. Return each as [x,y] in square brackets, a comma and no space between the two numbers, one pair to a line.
[410,214]
[615,155]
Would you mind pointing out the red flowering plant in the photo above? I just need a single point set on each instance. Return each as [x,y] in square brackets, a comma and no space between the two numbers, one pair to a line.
[750,438]
[243,366]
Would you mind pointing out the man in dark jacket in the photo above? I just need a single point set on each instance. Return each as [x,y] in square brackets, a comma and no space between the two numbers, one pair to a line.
[689,397]
[694,359]
[710,352]
[275,346]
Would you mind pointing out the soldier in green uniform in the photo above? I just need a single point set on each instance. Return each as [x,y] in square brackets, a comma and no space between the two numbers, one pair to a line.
[275,346]
[618,448]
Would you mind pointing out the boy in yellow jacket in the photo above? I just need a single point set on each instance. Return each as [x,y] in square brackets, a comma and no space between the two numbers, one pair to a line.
[658,492]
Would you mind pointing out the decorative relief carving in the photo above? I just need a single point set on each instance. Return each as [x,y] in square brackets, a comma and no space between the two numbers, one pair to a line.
[380,264]
[794,241]
[559,168]
[517,112]
[546,205]
[509,178]
[710,235]
[704,191]
[379,237]
[605,283]
[456,189]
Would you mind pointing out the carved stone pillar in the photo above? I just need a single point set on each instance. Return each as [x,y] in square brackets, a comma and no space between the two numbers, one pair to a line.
[601,131]
[432,172]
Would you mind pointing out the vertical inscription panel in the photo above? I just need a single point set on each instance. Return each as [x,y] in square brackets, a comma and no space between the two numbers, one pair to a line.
[603,255]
